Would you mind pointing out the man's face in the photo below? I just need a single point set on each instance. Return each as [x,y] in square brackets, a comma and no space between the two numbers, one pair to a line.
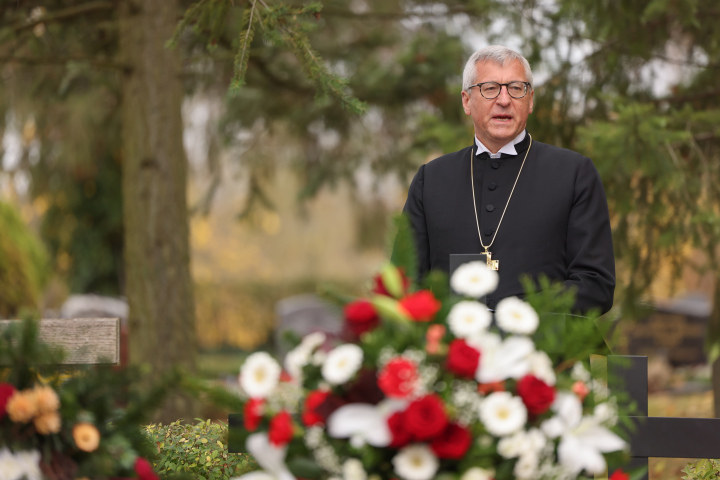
[501,119]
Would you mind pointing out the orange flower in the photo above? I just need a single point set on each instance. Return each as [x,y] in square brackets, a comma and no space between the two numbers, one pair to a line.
[86,436]
[46,399]
[580,389]
[22,406]
[47,423]
[488,388]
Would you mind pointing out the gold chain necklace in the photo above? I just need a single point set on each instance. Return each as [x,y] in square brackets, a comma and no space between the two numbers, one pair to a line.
[494,264]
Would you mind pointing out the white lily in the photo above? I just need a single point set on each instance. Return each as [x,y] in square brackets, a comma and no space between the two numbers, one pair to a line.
[270,457]
[364,423]
[583,439]
[502,359]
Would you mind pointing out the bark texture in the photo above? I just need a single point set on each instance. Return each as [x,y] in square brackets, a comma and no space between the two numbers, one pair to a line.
[157,255]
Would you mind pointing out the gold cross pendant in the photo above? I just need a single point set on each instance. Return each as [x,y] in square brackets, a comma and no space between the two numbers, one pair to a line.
[492,264]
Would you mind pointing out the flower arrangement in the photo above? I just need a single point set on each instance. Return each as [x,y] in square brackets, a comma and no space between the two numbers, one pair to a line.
[71,426]
[429,384]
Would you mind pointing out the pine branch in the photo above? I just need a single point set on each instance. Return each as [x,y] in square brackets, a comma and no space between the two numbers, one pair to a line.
[318,72]
[191,14]
[241,60]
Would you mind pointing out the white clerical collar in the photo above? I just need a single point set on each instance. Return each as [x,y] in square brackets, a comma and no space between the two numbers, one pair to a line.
[508,149]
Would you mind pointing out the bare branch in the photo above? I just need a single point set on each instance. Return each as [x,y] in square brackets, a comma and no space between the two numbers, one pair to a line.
[65,14]
[63,60]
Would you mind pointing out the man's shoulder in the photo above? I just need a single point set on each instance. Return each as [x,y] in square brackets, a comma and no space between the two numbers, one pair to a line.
[551,153]
[449,158]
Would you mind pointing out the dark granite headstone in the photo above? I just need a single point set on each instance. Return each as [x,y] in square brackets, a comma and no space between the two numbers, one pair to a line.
[304,314]
[675,328]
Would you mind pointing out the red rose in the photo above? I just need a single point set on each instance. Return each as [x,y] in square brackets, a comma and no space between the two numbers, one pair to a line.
[361,317]
[421,306]
[462,359]
[6,391]
[453,443]
[619,475]
[380,286]
[314,399]
[399,378]
[400,436]
[536,394]
[144,469]
[252,414]
[425,418]
[281,429]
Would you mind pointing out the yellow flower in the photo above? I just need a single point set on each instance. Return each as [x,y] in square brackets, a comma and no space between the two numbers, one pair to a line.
[22,406]
[47,423]
[86,436]
[47,400]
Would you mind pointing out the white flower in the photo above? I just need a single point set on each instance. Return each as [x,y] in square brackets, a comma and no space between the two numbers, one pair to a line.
[515,316]
[25,465]
[541,366]
[502,359]
[361,421]
[353,470]
[342,363]
[502,413]
[526,467]
[468,318]
[29,461]
[511,446]
[474,279]
[270,458]
[416,462]
[583,439]
[259,375]
[522,442]
[606,414]
[477,473]
[298,357]
[580,373]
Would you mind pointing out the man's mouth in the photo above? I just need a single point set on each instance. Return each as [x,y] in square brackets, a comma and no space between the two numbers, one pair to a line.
[502,118]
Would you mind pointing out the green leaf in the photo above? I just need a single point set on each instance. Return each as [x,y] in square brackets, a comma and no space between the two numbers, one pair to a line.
[304,468]
[389,308]
[392,280]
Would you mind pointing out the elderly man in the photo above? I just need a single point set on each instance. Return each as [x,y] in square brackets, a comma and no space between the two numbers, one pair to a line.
[531,208]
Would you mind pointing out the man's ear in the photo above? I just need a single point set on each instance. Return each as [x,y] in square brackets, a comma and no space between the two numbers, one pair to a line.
[465,102]
[532,94]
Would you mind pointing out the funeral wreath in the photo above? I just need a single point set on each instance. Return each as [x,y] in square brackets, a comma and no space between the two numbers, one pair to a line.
[427,383]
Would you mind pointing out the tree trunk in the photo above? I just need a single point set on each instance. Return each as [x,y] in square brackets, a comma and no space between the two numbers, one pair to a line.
[713,336]
[157,255]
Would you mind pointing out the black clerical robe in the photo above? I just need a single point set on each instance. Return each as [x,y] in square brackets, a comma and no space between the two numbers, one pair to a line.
[556,223]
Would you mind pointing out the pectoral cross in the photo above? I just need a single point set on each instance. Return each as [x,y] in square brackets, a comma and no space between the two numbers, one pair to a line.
[492,264]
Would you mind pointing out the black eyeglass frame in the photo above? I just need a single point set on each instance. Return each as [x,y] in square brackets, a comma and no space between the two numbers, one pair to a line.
[506,85]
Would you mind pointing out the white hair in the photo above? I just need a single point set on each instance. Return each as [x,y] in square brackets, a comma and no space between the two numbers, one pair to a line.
[493,53]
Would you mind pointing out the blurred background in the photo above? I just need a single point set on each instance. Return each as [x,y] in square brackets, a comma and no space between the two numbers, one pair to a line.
[212,182]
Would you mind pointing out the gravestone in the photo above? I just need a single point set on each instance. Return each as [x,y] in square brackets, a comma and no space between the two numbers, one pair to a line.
[99,306]
[304,314]
[675,329]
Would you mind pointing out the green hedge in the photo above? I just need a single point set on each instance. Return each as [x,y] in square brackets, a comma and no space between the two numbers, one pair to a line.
[197,451]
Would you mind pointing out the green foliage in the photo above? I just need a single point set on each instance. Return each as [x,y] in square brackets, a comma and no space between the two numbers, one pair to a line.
[24,265]
[199,451]
[404,254]
[702,470]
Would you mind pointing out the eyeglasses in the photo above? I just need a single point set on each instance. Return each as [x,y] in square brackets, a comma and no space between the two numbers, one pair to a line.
[491,90]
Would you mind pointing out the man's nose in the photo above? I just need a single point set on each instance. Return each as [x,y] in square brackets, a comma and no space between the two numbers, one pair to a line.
[504,98]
